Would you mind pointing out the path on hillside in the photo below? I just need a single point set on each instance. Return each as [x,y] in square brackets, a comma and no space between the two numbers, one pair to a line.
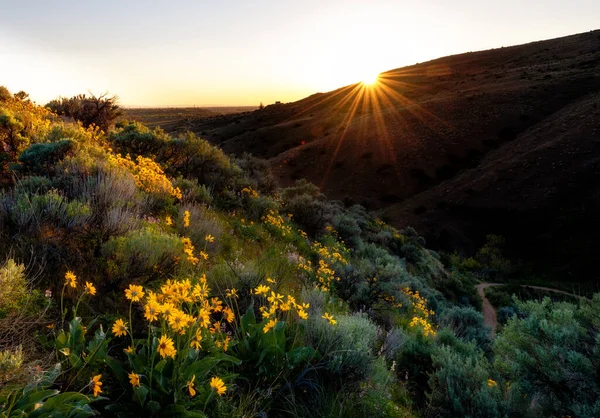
[490,317]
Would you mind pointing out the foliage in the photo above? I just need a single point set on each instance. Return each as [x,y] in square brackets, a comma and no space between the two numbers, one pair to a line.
[90,110]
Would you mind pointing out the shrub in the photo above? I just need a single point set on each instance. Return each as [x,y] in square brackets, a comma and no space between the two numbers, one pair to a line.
[14,287]
[89,110]
[461,385]
[467,324]
[141,256]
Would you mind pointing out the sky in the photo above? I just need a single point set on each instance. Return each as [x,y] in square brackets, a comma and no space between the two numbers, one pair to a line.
[156,53]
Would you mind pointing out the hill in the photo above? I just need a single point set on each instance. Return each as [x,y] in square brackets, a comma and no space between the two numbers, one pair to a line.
[505,141]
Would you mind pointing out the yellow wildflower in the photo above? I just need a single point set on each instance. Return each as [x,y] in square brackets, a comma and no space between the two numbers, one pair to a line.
[129,350]
[119,328]
[232,293]
[190,386]
[209,238]
[269,325]
[71,279]
[89,287]
[151,311]
[262,289]
[229,315]
[186,218]
[195,344]
[329,318]
[134,293]
[168,221]
[134,379]
[166,347]
[218,385]
[95,384]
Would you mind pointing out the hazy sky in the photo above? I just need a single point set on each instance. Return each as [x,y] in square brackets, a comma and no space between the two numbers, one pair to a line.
[236,52]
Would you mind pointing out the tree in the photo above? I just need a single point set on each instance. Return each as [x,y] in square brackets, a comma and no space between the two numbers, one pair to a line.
[100,111]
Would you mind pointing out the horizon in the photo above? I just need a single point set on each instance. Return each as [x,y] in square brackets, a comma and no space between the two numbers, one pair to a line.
[248,54]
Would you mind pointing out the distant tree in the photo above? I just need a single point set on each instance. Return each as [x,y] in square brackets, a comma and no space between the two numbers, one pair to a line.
[89,110]
[261,106]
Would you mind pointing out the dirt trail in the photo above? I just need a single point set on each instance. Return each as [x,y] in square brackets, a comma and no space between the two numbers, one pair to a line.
[490,317]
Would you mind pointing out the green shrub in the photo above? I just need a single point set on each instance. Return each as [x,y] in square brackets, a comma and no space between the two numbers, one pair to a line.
[38,158]
[467,324]
[141,256]
[460,386]
[14,287]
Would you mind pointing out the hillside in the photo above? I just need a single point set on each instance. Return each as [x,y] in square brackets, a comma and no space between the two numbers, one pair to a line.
[148,274]
[504,140]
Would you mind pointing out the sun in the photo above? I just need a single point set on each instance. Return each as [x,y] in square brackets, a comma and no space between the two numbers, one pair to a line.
[370,79]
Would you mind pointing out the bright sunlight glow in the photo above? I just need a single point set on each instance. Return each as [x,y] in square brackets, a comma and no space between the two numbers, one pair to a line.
[370,79]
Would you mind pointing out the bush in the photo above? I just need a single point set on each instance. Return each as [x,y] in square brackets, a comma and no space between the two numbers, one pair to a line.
[91,110]
[467,324]
[460,385]
[141,256]
[14,287]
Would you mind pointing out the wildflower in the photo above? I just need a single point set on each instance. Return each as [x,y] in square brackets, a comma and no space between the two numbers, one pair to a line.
[186,218]
[134,293]
[269,325]
[302,314]
[491,383]
[269,280]
[203,254]
[134,379]
[90,288]
[262,289]
[190,386]
[275,298]
[168,221]
[218,385]
[232,293]
[129,350]
[166,347]
[95,384]
[209,238]
[119,328]
[229,315]
[195,343]
[151,311]
[48,293]
[329,318]
[71,279]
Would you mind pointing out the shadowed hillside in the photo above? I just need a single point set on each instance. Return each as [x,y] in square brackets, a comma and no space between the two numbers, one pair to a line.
[504,140]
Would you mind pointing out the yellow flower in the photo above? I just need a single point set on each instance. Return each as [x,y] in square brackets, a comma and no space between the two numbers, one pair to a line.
[186,218]
[90,288]
[190,386]
[269,280]
[151,311]
[218,385]
[129,350]
[71,279]
[209,238]
[166,347]
[134,379]
[232,293]
[119,328]
[329,318]
[203,254]
[491,383]
[262,289]
[134,293]
[195,344]
[229,315]
[95,384]
[269,325]
[302,314]
[168,221]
